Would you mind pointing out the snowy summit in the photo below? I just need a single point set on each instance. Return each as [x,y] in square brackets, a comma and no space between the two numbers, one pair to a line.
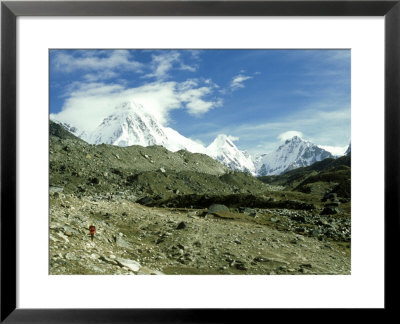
[294,153]
[223,150]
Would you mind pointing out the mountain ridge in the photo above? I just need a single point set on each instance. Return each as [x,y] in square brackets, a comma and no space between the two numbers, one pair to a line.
[130,124]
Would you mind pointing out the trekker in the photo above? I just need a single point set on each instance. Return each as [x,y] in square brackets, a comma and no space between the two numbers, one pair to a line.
[92,230]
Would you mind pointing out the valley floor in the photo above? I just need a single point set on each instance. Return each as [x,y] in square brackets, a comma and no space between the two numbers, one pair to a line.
[134,239]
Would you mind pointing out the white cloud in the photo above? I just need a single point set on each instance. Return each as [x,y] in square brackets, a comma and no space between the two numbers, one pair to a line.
[195,53]
[237,81]
[194,102]
[211,83]
[335,150]
[188,84]
[107,64]
[65,61]
[78,89]
[100,76]
[289,134]
[161,64]
[89,103]
[198,141]
[233,138]
[188,67]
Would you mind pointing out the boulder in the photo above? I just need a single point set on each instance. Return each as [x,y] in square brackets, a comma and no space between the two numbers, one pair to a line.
[121,242]
[131,264]
[55,189]
[181,225]
[217,208]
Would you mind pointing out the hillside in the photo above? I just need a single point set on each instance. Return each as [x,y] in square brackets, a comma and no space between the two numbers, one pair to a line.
[332,175]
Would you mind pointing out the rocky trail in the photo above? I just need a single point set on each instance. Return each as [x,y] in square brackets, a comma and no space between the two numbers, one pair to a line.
[133,239]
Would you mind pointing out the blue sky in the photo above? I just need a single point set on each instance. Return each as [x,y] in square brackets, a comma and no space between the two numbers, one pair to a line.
[258,97]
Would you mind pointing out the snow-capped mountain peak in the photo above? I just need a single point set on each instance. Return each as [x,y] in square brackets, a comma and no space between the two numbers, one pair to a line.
[294,153]
[129,124]
[222,141]
[223,150]
[294,139]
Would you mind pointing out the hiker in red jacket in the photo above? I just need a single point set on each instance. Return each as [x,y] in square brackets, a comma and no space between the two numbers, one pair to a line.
[92,230]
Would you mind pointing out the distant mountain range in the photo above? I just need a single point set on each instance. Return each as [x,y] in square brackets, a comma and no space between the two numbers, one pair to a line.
[130,124]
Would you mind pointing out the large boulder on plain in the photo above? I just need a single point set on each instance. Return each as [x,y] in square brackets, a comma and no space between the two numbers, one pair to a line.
[217,208]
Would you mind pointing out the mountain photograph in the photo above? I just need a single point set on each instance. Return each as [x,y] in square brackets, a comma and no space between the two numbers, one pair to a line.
[199,162]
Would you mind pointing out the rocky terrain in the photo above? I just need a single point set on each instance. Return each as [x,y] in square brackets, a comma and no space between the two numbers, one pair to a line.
[159,212]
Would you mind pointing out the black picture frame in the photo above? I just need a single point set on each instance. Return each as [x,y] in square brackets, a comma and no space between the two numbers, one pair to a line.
[10,10]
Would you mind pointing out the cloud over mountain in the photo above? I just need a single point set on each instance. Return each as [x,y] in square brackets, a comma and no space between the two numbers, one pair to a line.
[89,103]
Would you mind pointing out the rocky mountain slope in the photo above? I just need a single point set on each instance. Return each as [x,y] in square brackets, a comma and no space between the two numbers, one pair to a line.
[294,153]
[139,171]
[329,175]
